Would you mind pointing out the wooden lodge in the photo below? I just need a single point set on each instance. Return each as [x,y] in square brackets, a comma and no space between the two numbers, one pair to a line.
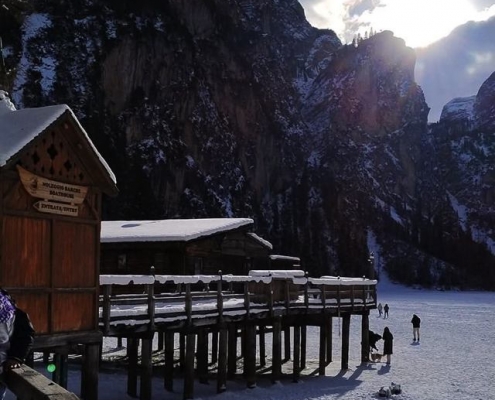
[182,246]
[52,180]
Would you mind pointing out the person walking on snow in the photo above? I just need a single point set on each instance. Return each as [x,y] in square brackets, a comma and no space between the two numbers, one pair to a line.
[385,309]
[415,321]
[388,344]
[380,308]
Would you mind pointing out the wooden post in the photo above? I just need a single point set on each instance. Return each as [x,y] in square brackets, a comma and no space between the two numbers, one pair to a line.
[132,356]
[60,374]
[297,354]
[107,292]
[89,372]
[329,334]
[365,345]
[146,368]
[250,356]
[277,349]
[222,360]
[346,325]
[322,353]
[232,351]
[303,346]
[168,380]
[202,356]
[189,366]
[262,346]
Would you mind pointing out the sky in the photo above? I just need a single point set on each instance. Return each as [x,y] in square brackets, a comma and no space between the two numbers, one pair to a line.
[453,39]
[418,22]
[453,361]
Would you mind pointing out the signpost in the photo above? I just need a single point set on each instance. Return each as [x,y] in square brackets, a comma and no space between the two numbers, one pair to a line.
[65,198]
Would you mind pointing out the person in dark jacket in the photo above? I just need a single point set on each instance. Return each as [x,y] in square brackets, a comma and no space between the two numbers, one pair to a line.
[388,344]
[16,336]
[385,311]
[416,322]
[372,339]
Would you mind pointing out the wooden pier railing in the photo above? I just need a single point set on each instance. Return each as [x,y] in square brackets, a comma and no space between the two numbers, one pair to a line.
[185,300]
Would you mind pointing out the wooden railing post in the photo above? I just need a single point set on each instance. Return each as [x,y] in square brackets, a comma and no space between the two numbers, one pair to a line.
[247,298]
[151,304]
[188,304]
[107,292]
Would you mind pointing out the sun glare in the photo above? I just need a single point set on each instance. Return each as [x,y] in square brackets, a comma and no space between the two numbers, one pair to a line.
[420,22]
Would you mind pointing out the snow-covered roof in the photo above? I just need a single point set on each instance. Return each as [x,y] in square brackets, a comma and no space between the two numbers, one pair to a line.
[285,258]
[19,127]
[167,230]
[259,239]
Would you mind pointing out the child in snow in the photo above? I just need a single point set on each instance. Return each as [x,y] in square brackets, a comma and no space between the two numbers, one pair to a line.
[385,309]
[388,344]
[380,308]
[415,321]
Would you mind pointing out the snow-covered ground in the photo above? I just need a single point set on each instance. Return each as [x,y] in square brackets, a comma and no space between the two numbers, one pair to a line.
[453,361]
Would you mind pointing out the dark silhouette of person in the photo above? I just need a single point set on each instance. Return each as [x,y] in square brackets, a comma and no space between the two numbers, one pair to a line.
[416,322]
[388,344]
[385,311]
[372,339]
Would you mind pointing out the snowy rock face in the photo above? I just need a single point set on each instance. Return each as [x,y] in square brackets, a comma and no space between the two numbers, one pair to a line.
[459,109]
[5,104]
[240,108]
[485,104]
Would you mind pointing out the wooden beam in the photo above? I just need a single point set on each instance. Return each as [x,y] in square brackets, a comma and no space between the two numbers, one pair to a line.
[262,346]
[322,350]
[202,356]
[26,383]
[296,368]
[303,346]
[329,334]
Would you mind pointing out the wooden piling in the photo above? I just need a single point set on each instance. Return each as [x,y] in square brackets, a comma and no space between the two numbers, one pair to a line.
[329,335]
[277,349]
[287,343]
[202,356]
[214,346]
[346,325]
[188,392]
[250,355]
[232,351]
[132,375]
[296,368]
[262,346]
[322,350]
[61,369]
[89,373]
[168,377]
[303,346]
[146,367]
[222,360]
[365,345]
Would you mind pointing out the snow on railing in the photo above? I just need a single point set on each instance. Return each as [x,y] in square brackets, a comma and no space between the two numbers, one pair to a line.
[265,291]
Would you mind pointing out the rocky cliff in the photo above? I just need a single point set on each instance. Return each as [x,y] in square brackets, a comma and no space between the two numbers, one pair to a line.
[211,108]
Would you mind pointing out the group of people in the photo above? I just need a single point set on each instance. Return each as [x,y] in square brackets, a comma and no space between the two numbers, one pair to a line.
[388,338]
[383,310]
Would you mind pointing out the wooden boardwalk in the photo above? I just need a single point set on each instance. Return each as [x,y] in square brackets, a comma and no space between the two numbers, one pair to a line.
[229,307]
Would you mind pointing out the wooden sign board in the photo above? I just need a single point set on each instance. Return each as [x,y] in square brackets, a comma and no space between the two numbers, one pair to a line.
[56,208]
[48,189]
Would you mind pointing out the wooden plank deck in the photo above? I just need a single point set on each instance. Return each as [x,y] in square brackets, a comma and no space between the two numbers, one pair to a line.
[188,301]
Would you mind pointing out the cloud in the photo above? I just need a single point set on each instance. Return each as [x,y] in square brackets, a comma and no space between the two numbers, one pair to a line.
[359,7]
[457,65]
